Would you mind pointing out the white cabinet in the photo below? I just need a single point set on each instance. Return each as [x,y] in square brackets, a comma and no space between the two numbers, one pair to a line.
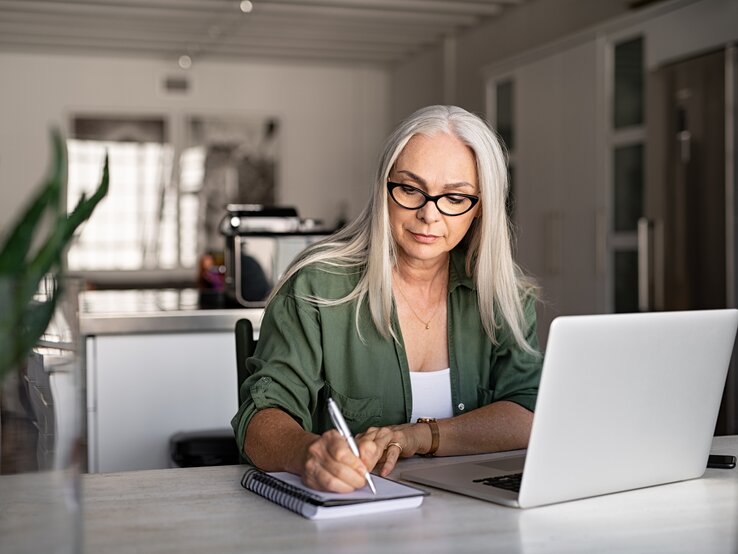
[555,180]
[143,388]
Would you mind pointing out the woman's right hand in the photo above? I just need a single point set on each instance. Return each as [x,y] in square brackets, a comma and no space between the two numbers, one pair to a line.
[274,441]
[329,464]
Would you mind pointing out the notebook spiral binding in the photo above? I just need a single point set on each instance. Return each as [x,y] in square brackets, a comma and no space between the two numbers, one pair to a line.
[278,492]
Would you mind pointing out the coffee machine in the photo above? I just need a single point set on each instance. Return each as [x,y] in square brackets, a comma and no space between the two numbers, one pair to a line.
[260,243]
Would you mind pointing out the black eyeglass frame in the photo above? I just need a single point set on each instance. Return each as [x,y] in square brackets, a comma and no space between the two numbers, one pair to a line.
[391,186]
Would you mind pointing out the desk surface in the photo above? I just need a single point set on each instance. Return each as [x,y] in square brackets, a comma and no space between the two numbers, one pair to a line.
[206,510]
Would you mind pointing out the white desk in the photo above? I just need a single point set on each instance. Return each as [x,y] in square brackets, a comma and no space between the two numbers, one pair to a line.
[206,510]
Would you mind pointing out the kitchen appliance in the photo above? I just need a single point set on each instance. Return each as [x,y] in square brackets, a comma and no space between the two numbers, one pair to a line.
[260,243]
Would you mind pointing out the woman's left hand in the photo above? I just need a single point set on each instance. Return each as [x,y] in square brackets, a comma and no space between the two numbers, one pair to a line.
[394,442]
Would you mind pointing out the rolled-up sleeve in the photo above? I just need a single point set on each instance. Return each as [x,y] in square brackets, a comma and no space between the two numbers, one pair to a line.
[517,373]
[285,371]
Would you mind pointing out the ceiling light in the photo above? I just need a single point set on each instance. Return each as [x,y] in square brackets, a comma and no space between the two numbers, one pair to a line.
[247,6]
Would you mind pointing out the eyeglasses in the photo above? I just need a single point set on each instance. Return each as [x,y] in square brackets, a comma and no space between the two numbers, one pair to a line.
[412,198]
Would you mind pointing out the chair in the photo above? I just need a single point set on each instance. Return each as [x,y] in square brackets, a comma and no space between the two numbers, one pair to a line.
[218,446]
[245,346]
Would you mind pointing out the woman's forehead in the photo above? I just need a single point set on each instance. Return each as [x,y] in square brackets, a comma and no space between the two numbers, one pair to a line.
[438,156]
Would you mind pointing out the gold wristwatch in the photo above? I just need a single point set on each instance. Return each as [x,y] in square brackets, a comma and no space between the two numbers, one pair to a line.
[435,435]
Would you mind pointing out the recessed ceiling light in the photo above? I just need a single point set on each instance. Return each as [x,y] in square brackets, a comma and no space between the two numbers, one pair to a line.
[185,62]
[247,6]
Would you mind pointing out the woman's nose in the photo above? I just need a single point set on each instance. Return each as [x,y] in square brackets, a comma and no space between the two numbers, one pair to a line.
[429,213]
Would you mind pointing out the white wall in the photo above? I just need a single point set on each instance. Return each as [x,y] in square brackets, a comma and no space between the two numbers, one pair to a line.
[333,118]
[520,28]
[417,82]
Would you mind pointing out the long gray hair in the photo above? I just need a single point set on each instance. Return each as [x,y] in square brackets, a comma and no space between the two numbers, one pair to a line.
[366,244]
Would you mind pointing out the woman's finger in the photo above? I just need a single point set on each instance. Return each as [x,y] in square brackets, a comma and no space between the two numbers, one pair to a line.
[391,455]
[320,478]
[330,465]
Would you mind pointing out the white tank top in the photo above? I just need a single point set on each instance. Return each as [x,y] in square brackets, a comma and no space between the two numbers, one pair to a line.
[431,394]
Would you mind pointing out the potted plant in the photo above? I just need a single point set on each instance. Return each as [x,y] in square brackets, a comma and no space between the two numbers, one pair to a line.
[44,445]
[27,258]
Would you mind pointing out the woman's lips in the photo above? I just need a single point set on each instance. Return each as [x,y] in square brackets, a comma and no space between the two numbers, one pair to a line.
[425,239]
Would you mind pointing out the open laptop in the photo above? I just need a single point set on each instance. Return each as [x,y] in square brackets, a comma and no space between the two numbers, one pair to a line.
[625,401]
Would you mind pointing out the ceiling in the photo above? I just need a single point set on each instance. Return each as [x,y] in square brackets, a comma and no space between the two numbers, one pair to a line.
[347,31]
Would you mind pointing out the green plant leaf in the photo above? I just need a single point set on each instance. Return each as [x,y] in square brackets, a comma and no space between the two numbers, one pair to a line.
[23,319]
[51,253]
[19,334]
[18,243]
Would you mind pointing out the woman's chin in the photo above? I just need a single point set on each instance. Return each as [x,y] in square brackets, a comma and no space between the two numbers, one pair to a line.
[423,252]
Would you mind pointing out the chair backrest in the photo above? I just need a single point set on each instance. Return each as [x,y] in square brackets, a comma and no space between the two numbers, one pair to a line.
[245,346]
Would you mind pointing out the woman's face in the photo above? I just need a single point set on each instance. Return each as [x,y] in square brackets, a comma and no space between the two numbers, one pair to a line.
[436,164]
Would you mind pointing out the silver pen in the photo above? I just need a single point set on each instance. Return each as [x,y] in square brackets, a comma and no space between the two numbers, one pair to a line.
[340,424]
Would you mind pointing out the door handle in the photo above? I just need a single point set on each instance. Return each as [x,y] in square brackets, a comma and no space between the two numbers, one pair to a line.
[645,264]
[685,145]
[683,136]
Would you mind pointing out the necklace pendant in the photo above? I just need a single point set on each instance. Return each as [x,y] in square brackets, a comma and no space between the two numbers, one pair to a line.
[427,326]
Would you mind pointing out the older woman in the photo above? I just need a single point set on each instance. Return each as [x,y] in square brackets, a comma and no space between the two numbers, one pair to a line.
[414,318]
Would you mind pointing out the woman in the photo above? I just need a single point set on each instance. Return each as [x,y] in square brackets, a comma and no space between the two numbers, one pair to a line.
[416,310]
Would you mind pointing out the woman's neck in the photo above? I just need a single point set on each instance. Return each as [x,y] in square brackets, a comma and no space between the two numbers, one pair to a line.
[421,274]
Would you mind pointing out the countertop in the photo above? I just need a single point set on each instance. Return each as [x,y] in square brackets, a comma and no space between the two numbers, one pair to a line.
[207,510]
[113,312]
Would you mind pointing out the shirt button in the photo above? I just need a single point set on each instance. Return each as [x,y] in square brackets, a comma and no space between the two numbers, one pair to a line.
[461,407]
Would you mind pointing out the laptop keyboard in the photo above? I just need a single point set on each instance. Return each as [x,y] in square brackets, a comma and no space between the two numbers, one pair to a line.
[508,482]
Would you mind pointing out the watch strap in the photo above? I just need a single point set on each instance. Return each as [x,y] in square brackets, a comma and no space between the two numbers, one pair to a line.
[435,434]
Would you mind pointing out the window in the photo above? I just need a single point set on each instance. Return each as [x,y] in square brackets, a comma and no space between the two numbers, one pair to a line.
[167,192]
[627,163]
[628,187]
[628,96]
[134,227]
[504,122]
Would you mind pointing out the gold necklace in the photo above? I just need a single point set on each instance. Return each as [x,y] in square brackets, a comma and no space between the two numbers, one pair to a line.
[409,305]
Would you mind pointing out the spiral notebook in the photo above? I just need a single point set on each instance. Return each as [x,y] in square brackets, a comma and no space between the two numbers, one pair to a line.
[288,491]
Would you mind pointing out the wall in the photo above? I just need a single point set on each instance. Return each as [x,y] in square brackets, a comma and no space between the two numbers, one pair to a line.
[521,28]
[333,118]
[689,30]
[417,82]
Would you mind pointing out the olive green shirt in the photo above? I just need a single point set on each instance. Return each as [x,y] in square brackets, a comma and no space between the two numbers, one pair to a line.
[307,352]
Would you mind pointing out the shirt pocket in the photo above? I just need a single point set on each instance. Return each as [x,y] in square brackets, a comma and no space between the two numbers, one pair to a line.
[359,413]
[485,396]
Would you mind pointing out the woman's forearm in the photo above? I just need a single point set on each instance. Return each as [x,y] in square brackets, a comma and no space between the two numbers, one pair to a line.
[276,442]
[496,427]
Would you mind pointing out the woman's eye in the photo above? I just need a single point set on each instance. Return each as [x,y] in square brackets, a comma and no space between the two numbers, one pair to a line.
[409,190]
[455,199]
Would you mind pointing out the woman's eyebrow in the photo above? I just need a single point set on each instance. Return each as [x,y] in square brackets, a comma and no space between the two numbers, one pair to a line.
[413,176]
[460,184]
[418,179]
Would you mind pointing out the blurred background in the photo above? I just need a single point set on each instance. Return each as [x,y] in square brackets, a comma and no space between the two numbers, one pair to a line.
[619,117]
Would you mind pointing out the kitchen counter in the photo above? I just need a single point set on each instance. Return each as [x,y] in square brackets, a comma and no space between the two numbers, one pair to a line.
[118,312]
[159,351]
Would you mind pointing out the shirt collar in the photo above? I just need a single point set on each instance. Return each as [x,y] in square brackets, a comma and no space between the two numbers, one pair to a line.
[457,271]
